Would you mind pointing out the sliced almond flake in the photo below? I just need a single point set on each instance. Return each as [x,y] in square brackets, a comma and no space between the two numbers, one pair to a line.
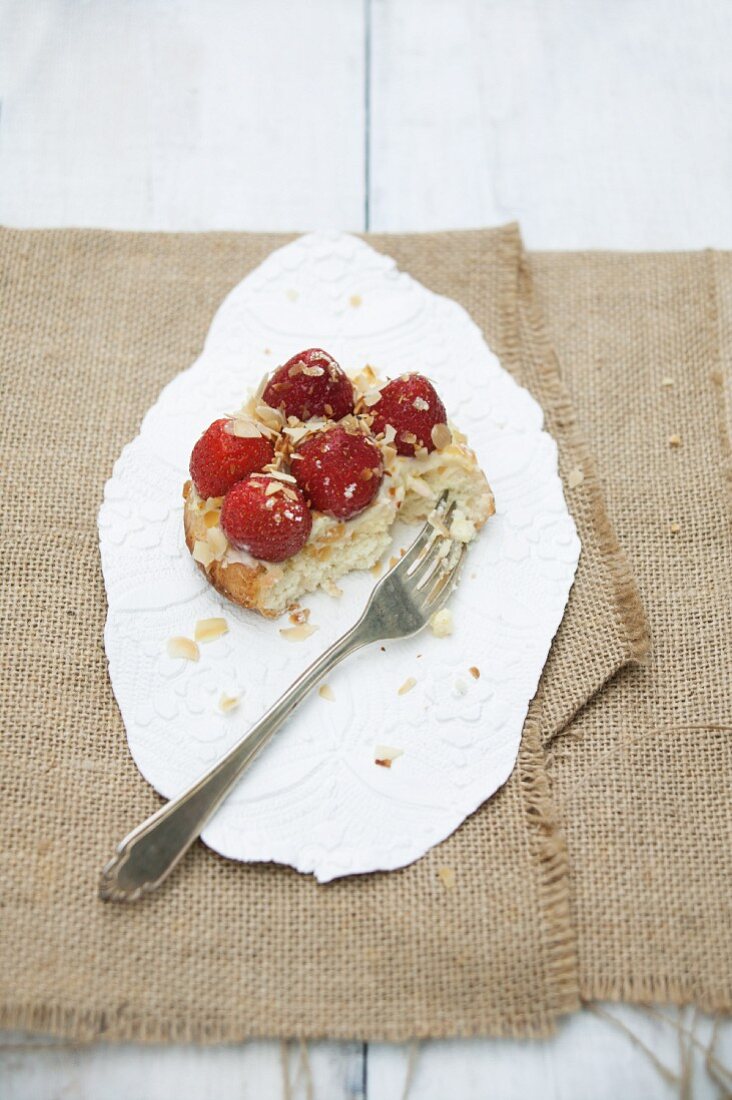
[217,542]
[295,369]
[408,437]
[327,409]
[262,383]
[385,754]
[298,633]
[325,691]
[389,433]
[376,568]
[446,875]
[575,477]
[371,398]
[274,487]
[332,589]
[211,519]
[312,372]
[184,648]
[674,441]
[208,630]
[420,404]
[441,623]
[243,429]
[290,494]
[474,672]
[228,702]
[420,487]
[202,552]
[408,684]
[273,418]
[278,475]
[393,561]
[441,436]
[213,502]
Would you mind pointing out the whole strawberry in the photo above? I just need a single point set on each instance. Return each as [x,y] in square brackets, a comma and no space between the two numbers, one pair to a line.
[339,472]
[310,384]
[267,517]
[220,459]
[411,405]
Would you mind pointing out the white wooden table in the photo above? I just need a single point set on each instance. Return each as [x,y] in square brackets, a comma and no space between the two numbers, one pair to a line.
[596,124]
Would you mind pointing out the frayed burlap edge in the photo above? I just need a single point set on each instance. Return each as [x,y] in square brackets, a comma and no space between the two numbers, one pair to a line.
[561,421]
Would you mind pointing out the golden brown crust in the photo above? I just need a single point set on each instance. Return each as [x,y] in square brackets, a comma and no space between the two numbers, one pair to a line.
[238,582]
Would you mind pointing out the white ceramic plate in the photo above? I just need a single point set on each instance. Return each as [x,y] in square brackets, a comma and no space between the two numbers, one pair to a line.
[315,799]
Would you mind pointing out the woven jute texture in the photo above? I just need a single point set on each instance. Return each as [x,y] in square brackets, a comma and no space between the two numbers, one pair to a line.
[93,325]
[644,774]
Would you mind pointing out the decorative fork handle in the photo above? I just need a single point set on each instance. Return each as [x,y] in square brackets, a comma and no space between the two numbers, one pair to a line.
[150,852]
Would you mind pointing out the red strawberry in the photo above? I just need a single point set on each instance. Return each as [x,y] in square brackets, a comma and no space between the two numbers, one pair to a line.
[271,523]
[339,472]
[411,405]
[310,384]
[220,459]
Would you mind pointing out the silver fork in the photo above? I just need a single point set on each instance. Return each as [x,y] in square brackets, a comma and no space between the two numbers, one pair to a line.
[400,605]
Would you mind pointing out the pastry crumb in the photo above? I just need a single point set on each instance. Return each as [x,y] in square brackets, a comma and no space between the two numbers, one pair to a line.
[184,648]
[441,623]
[355,300]
[446,875]
[408,684]
[325,691]
[299,615]
[575,477]
[207,630]
[667,383]
[674,441]
[385,754]
[675,528]
[474,672]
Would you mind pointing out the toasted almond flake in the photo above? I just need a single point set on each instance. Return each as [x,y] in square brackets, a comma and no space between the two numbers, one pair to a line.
[441,623]
[184,648]
[441,436]
[273,418]
[327,409]
[228,702]
[393,561]
[376,568]
[312,372]
[420,404]
[385,754]
[298,633]
[299,614]
[242,429]
[217,542]
[674,441]
[575,477]
[389,433]
[675,528]
[446,875]
[355,300]
[408,437]
[274,487]
[667,382]
[202,552]
[211,519]
[332,589]
[474,672]
[371,398]
[325,691]
[408,684]
[207,630]
[278,475]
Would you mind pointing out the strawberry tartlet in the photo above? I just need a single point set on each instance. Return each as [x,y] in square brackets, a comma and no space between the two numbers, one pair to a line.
[305,482]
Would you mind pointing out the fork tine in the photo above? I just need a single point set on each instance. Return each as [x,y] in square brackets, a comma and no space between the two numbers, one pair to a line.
[426,536]
[443,586]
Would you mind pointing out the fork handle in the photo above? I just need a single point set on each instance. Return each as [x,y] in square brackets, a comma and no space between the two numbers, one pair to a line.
[149,853]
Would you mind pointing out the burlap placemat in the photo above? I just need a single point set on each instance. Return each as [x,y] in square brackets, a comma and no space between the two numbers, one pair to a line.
[93,325]
[644,774]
